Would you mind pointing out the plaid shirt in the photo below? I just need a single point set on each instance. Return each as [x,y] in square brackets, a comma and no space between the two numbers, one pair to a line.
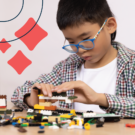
[122,103]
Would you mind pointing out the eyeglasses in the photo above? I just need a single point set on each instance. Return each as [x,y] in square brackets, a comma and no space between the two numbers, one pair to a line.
[85,44]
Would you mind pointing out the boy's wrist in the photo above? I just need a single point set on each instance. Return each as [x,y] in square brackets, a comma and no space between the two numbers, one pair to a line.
[27,99]
[101,100]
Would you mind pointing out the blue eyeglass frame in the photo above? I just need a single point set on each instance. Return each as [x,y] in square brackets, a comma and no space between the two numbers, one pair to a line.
[81,46]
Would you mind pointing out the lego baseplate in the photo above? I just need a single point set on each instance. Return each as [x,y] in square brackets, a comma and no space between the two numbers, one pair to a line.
[94,115]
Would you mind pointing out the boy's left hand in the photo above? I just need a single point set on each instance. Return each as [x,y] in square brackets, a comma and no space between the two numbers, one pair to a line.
[84,93]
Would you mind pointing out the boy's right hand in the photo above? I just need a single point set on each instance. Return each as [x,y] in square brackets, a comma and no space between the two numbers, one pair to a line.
[46,90]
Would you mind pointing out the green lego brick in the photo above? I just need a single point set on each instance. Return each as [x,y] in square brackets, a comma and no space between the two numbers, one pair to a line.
[72,97]
[24,125]
[47,124]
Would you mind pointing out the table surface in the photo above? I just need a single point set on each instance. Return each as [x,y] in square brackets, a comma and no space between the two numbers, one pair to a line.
[116,128]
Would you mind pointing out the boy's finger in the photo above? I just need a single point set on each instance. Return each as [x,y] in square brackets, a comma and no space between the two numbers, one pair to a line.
[48,88]
[60,87]
[52,87]
[36,85]
[43,89]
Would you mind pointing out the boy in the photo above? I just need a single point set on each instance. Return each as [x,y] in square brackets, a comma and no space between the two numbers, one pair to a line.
[100,72]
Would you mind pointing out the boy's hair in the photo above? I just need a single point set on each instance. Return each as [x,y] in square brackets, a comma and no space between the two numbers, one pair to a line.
[75,12]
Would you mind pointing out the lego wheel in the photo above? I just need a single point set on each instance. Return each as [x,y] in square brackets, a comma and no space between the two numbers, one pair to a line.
[87,126]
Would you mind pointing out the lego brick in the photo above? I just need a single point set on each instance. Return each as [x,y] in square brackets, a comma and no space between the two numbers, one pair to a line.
[7,112]
[42,100]
[106,115]
[56,98]
[3,102]
[3,109]
[17,110]
[39,107]
[53,108]
[30,111]
[72,97]
[62,100]
[63,94]
[66,116]
[53,118]
[3,96]
[45,104]
[44,112]
[89,114]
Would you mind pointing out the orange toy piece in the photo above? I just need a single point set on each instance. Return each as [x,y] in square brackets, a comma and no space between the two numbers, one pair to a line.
[130,125]
[52,108]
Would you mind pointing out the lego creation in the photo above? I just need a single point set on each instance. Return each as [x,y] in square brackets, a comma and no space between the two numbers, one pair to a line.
[3,103]
[45,114]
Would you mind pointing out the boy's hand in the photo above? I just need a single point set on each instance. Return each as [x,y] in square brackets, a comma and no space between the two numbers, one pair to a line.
[84,93]
[46,90]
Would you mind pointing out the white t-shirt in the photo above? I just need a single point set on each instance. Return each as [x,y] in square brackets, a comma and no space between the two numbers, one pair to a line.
[101,80]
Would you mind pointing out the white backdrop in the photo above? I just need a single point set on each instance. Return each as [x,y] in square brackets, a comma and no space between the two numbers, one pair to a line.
[48,51]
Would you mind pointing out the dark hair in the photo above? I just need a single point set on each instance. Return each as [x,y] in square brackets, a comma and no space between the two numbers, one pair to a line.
[75,12]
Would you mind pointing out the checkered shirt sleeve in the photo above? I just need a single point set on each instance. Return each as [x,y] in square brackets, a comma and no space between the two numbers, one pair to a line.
[53,77]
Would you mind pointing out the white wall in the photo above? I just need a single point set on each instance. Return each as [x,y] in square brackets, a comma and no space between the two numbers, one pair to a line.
[48,52]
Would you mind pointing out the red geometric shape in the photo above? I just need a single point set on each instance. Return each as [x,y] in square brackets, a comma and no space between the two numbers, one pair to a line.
[19,62]
[34,36]
[4,46]
[2,107]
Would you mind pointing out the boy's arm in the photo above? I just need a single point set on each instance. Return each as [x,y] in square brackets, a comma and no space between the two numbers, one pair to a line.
[120,105]
[52,78]
[125,106]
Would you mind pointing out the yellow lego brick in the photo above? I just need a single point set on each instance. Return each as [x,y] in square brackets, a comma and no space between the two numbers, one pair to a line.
[32,117]
[40,95]
[43,123]
[37,106]
[73,112]
[66,116]
[72,123]
[20,117]
[18,121]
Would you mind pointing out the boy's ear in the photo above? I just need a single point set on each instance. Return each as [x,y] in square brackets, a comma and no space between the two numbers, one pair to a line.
[111,25]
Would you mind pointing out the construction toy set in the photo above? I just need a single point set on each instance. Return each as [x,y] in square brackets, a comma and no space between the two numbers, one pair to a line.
[45,114]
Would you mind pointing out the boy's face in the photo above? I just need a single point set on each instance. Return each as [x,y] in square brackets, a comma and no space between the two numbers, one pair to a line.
[85,31]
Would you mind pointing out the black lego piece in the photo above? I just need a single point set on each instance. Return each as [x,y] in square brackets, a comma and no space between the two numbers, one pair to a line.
[41,131]
[100,122]
[38,117]
[45,120]
[39,91]
[34,124]
[17,110]
[89,111]
[17,125]
[63,94]
[8,122]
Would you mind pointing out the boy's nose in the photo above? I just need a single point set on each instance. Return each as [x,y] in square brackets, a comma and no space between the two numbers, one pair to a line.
[81,50]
